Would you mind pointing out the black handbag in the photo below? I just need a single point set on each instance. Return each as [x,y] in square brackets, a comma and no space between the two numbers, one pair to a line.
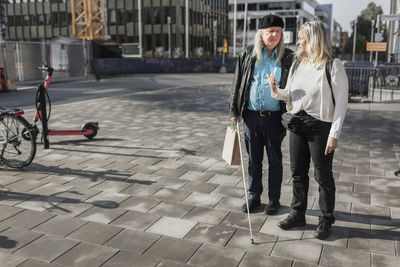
[290,122]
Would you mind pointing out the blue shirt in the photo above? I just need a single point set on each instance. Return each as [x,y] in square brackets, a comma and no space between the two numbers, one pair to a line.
[260,92]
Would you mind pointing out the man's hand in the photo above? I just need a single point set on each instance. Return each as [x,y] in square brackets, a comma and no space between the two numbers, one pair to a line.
[235,120]
[272,85]
[330,145]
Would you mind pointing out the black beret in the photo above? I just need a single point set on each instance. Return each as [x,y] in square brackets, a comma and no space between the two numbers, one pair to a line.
[271,21]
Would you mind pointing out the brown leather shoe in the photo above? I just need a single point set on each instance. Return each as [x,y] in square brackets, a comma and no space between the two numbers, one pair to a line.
[272,207]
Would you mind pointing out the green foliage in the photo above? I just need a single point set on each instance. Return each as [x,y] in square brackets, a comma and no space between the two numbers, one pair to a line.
[371,11]
[363,29]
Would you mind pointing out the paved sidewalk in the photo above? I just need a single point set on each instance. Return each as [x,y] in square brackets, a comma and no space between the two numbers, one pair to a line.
[152,190]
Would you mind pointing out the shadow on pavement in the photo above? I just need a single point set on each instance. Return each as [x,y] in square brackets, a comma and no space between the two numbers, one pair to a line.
[109,175]
[7,243]
[54,199]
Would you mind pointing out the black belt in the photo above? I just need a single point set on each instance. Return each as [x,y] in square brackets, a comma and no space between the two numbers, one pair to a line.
[264,113]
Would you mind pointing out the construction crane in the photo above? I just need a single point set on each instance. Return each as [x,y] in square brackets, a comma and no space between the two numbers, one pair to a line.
[87,19]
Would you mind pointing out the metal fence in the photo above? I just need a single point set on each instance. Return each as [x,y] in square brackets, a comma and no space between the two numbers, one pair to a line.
[22,59]
[362,79]
[387,77]
[358,80]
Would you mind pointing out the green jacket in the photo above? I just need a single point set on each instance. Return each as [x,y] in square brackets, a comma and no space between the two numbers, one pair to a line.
[244,75]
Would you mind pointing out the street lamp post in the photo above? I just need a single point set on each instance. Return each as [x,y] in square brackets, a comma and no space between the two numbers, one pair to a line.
[378,22]
[140,28]
[215,37]
[234,27]
[187,28]
[354,39]
[372,38]
[169,36]
[244,24]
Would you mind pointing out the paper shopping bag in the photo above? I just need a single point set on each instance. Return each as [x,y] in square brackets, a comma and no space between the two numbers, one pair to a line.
[230,152]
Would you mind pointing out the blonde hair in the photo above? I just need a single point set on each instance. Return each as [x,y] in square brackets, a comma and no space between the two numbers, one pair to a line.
[318,48]
[259,44]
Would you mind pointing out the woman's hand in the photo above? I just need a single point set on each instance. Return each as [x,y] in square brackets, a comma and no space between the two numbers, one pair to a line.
[235,120]
[272,85]
[330,145]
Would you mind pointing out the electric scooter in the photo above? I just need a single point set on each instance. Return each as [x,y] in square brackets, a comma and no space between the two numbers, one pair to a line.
[89,129]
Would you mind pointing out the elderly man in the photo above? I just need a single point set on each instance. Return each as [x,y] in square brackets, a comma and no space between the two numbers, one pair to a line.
[251,100]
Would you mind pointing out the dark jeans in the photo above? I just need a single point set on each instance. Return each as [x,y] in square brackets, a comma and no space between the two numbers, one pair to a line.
[310,141]
[260,132]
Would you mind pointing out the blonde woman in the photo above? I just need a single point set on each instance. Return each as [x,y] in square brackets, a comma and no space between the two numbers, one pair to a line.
[316,94]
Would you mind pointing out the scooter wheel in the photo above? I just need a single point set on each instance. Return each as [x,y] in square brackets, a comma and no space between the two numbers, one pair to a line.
[90,126]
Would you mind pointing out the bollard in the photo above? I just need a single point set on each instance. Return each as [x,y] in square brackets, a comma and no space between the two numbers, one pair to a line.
[3,81]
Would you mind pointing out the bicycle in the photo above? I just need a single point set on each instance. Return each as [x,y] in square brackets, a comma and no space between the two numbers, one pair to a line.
[17,139]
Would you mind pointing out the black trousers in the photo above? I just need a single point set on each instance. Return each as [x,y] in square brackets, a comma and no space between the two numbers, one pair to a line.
[309,141]
[264,132]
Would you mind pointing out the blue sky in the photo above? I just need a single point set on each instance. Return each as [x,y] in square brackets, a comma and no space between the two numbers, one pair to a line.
[345,11]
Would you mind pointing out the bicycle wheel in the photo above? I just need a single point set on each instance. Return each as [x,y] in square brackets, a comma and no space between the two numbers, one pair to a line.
[17,141]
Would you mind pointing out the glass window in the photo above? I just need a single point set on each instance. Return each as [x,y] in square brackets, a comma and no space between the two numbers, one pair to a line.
[33,20]
[173,15]
[63,19]
[252,7]
[10,21]
[147,15]
[40,19]
[121,17]
[148,42]
[166,15]
[157,15]
[183,15]
[158,40]
[130,15]
[26,21]
[253,23]
[55,19]
[112,17]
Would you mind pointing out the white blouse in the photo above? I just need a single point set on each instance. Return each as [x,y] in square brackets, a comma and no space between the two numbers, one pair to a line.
[308,89]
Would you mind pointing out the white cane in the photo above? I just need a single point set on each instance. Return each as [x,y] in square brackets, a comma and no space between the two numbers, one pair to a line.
[244,180]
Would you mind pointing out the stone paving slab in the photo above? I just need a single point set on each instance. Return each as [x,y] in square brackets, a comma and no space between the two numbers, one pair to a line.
[152,189]
[179,250]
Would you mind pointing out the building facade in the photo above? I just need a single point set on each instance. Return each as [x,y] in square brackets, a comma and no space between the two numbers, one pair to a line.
[324,13]
[294,13]
[336,35]
[38,20]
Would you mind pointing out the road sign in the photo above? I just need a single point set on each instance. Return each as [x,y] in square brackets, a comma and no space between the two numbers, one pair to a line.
[376,46]
[178,52]
[390,17]
[159,51]
[225,46]
[378,37]
[199,51]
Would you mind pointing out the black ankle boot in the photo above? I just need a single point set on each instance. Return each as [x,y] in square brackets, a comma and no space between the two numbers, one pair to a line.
[292,221]
[253,205]
[324,227]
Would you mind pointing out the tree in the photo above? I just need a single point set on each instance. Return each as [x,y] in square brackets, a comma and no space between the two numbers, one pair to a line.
[363,29]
